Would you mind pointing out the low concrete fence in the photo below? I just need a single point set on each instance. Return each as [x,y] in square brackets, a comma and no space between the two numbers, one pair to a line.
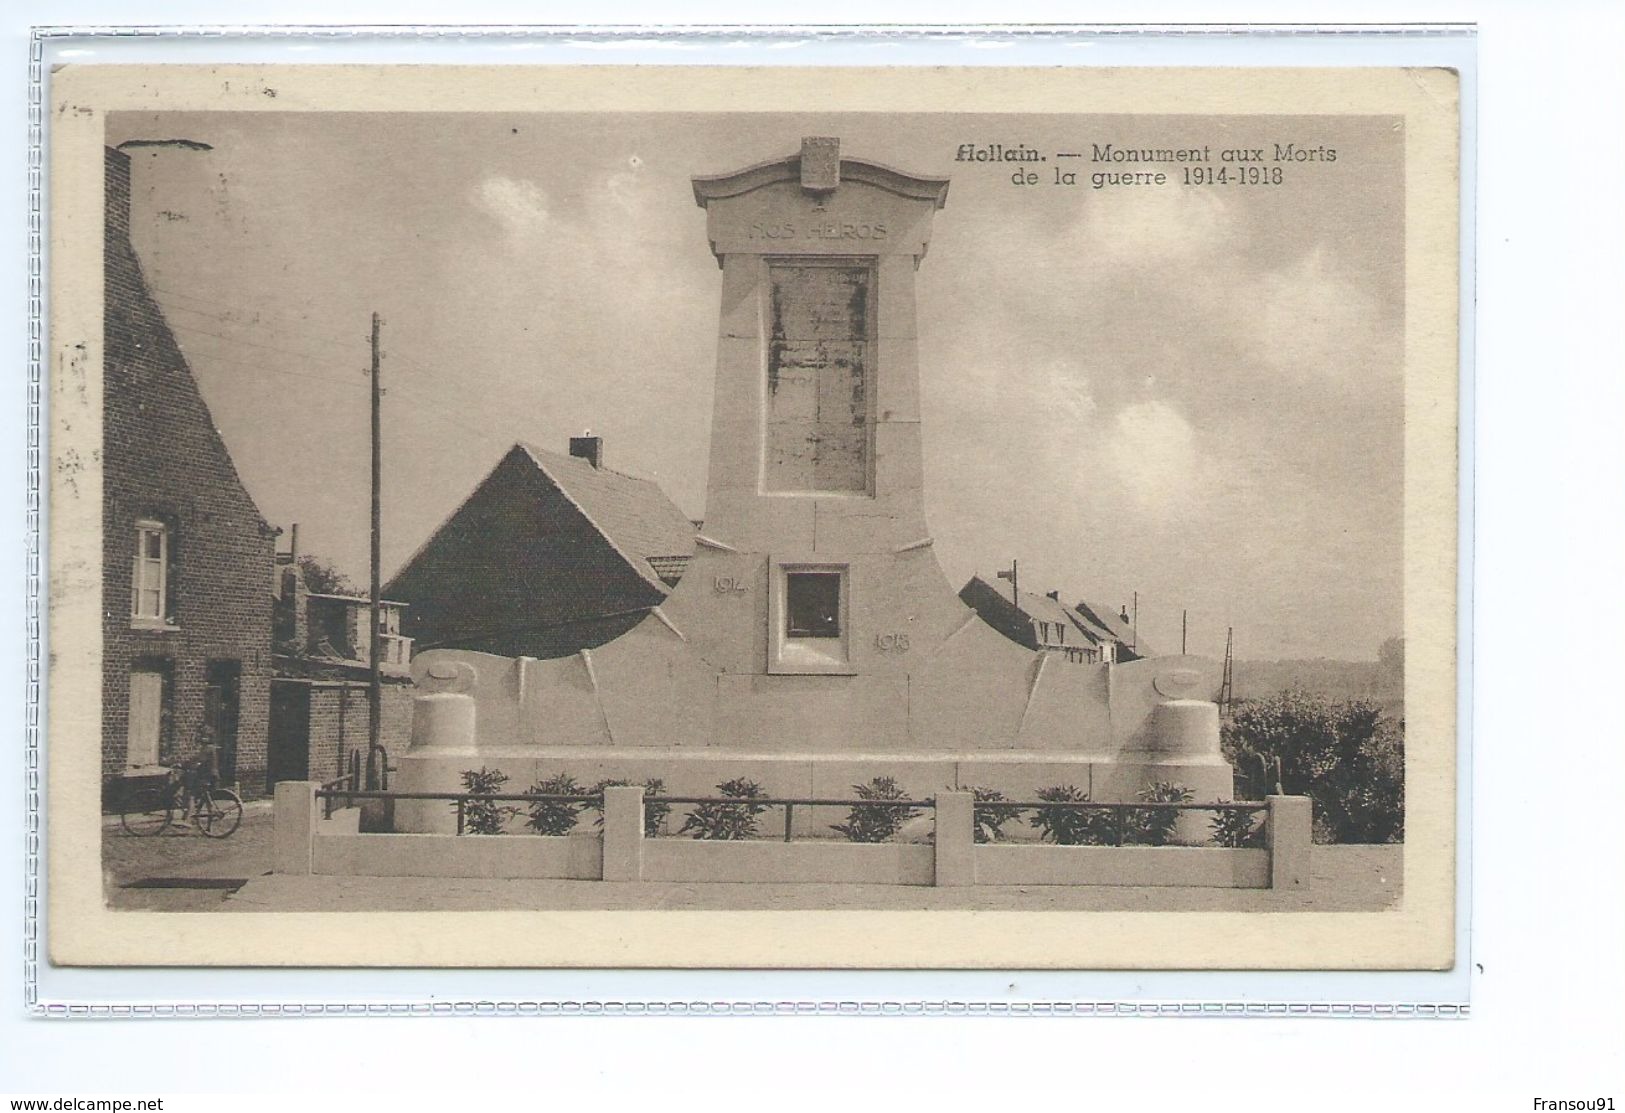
[311,836]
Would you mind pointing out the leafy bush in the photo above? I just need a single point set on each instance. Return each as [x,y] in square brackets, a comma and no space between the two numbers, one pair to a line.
[733,820]
[1072,826]
[654,814]
[1348,757]
[484,817]
[555,817]
[1155,826]
[989,815]
[1235,828]
[875,822]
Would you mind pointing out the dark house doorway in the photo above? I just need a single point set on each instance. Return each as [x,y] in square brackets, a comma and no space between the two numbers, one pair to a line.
[221,699]
[289,757]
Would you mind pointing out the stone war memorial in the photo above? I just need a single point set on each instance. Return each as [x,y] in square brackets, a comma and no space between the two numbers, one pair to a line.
[814,642]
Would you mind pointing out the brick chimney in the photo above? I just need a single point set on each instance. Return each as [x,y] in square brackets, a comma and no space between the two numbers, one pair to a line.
[590,449]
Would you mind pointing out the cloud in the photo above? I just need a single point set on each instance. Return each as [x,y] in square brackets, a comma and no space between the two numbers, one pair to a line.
[1065,386]
[1150,448]
[1312,321]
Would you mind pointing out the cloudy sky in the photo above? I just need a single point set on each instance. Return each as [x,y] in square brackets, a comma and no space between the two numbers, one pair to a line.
[1194,393]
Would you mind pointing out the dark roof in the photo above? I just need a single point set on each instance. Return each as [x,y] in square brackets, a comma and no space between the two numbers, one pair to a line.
[1041,608]
[633,514]
[1107,619]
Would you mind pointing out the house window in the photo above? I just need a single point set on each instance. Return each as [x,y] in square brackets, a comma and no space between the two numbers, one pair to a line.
[813,604]
[1060,633]
[149,582]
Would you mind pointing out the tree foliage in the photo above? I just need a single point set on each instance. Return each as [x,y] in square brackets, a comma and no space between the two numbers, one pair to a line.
[1346,756]
[323,579]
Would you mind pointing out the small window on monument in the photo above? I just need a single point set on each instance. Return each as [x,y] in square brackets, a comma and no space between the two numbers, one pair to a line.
[813,604]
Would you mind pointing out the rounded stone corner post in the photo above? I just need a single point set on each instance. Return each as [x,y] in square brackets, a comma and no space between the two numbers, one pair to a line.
[443,720]
[623,833]
[956,838]
[293,827]
[1289,832]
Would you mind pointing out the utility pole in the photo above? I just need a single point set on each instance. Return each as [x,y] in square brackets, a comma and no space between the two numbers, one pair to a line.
[1015,592]
[375,691]
[1135,631]
[1184,627]
[1227,688]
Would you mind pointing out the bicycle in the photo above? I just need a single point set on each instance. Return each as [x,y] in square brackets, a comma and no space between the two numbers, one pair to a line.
[185,794]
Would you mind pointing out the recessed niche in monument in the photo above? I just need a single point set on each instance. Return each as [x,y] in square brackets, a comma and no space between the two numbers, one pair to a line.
[813,604]
[820,377]
[809,618]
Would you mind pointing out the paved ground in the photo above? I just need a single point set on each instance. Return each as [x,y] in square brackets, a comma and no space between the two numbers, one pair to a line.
[185,872]
[180,870]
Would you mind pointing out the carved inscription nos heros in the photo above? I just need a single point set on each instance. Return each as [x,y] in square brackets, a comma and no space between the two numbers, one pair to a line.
[818,230]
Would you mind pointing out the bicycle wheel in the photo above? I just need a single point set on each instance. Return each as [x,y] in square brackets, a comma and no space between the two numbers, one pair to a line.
[150,816]
[219,813]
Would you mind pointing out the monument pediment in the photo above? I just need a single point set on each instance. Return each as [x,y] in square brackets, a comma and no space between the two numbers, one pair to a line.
[719,187]
[818,203]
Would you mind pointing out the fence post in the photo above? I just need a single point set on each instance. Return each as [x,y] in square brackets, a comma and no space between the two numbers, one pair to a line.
[1289,833]
[623,833]
[956,838]
[293,827]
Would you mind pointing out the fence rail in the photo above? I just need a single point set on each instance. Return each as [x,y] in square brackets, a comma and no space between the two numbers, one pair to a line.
[332,790]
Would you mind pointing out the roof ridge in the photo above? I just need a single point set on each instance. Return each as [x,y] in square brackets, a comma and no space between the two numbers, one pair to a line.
[535,450]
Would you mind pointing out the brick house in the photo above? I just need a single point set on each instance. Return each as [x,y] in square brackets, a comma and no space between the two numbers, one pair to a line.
[551,554]
[319,706]
[187,556]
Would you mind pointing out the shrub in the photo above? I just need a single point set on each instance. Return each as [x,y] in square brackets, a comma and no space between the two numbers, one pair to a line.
[1235,828]
[654,814]
[1071,826]
[484,817]
[1348,757]
[1155,826]
[875,822]
[555,817]
[735,819]
[989,815]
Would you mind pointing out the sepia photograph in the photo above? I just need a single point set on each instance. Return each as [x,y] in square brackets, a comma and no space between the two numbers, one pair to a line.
[824,505]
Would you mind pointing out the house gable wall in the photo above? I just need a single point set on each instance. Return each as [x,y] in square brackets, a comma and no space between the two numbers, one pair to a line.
[518,570]
[163,459]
